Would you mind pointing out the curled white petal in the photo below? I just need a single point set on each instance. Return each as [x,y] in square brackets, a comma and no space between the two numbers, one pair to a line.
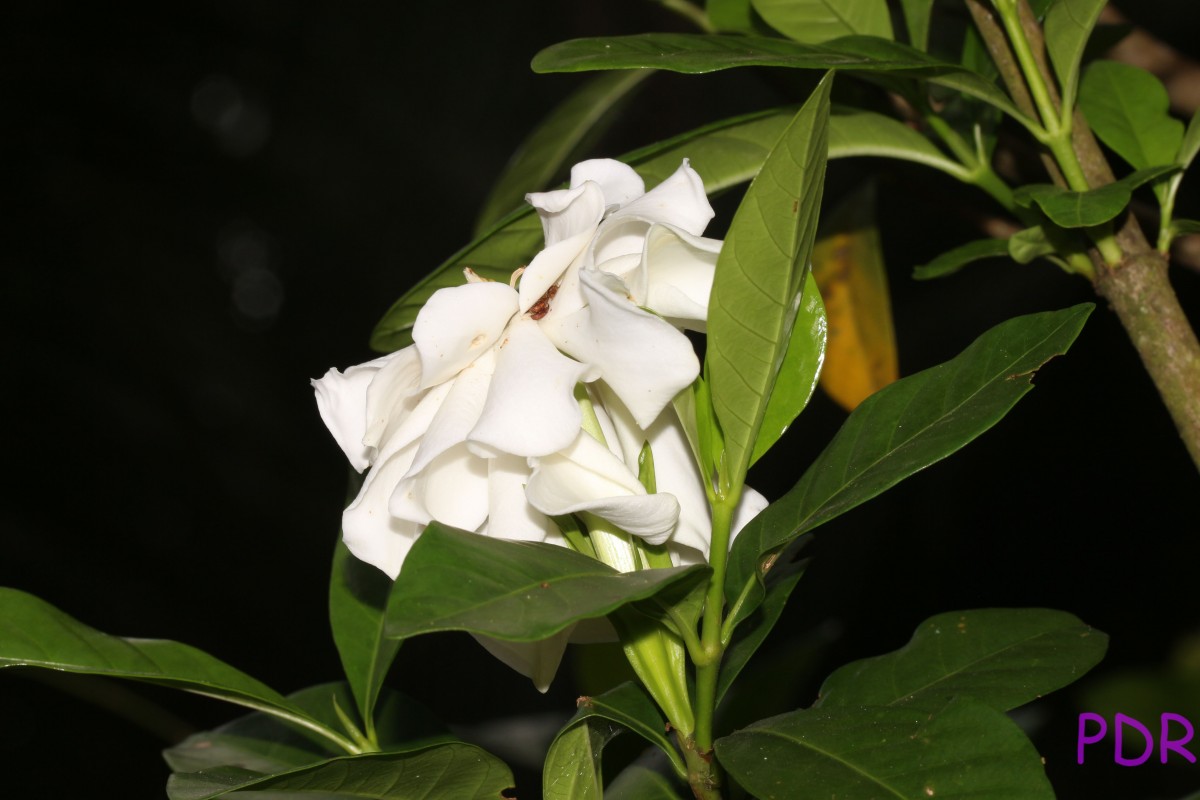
[510,516]
[676,275]
[458,412]
[642,357]
[537,661]
[371,533]
[618,181]
[393,394]
[452,489]
[588,477]
[531,408]
[679,201]
[342,403]
[457,325]
[569,228]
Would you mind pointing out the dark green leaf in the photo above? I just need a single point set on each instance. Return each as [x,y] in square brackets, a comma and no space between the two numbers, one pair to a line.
[568,130]
[1127,108]
[358,595]
[627,706]
[573,769]
[263,745]
[904,428]
[515,591]
[963,750]
[639,783]
[1068,25]
[1185,226]
[762,268]
[35,634]
[916,18]
[747,640]
[452,771]
[1069,209]
[799,372]
[952,261]
[696,54]
[816,21]
[1004,657]
[1191,142]
[866,133]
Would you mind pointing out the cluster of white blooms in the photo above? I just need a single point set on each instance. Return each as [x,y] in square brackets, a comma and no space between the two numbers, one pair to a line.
[477,424]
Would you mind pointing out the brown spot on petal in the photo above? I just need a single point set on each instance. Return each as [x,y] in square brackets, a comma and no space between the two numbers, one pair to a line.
[478,340]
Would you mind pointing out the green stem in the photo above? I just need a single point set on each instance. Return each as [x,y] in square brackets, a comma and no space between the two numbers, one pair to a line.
[710,630]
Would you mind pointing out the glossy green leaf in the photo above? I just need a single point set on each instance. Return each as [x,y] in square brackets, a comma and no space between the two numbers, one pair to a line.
[1067,27]
[697,54]
[866,133]
[598,719]
[567,131]
[34,633]
[452,771]
[799,372]
[515,591]
[1069,209]
[761,269]
[749,637]
[262,746]
[904,428]
[639,783]
[1127,108]
[730,16]
[916,19]
[573,768]
[1003,657]
[816,21]
[357,598]
[952,261]
[1030,243]
[964,749]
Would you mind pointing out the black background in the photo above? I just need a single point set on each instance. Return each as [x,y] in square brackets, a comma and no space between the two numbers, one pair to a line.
[209,204]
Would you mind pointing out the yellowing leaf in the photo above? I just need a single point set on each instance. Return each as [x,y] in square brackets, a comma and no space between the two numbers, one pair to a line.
[860,357]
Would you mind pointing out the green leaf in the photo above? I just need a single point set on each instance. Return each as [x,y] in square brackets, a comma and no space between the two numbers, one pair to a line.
[1004,657]
[904,428]
[34,633]
[452,771]
[866,133]
[952,261]
[626,706]
[1185,226]
[963,750]
[1191,142]
[760,272]
[1068,25]
[730,16]
[262,745]
[516,591]
[573,769]
[797,379]
[916,19]
[748,639]
[357,598]
[1026,245]
[1069,209]
[1127,108]
[816,21]
[567,131]
[639,783]
[697,54]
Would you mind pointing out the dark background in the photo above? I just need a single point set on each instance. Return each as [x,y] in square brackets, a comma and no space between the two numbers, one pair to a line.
[205,206]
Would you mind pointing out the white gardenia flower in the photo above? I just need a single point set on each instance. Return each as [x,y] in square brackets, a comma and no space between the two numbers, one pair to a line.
[476,424]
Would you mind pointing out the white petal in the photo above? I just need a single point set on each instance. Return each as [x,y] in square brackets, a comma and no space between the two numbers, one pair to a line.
[531,408]
[412,420]
[749,506]
[535,660]
[458,412]
[677,272]
[642,357]
[370,532]
[458,324]
[392,395]
[453,490]
[676,472]
[567,212]
[510,516]
[678,201]
[342,403]
[588,477]
[619,182]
